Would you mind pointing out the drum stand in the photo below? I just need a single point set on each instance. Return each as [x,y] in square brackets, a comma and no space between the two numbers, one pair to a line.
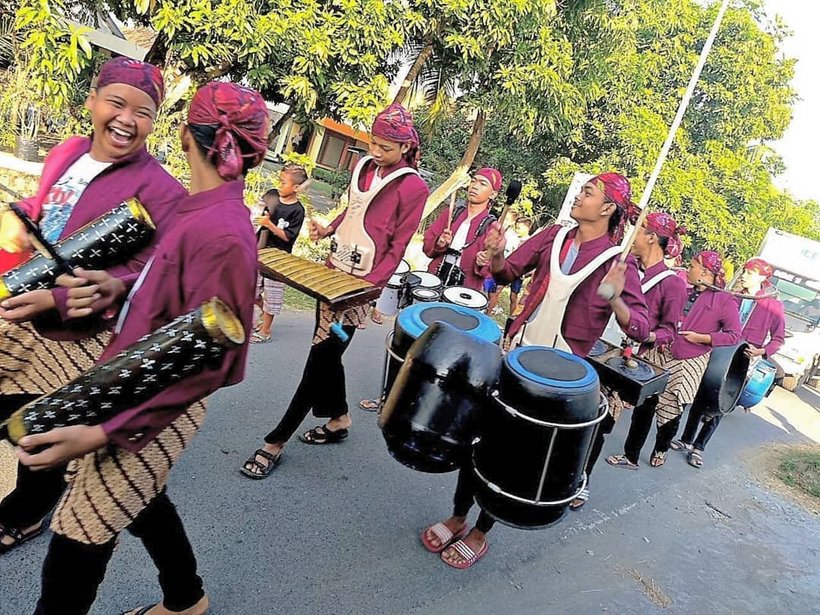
[603,409]
[388,342]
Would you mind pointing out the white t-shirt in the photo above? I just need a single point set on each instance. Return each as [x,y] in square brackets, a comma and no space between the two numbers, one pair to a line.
[64,194]
[513,241]
[458,242]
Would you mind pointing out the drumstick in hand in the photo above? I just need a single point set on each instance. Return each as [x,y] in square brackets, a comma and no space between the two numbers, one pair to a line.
[452,206]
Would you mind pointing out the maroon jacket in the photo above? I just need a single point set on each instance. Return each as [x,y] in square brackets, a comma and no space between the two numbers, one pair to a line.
[766,321]
[665,302]
[391,219]
[587,314]
[139,175]
[715,313]
[208,251]
[473,276]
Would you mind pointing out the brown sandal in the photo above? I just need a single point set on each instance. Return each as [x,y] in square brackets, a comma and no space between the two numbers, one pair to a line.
[658,459]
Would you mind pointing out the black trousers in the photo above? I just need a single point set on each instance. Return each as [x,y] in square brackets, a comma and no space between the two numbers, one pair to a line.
[666,433]
[322,388]
[73,571]
[707,430]
[639,427]
[464,498]
[35,493]
[604,429]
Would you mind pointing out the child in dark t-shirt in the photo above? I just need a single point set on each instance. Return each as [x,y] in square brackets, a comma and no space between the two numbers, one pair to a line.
[278,228]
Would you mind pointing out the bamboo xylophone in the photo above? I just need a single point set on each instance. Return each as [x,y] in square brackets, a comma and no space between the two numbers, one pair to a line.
[336,288]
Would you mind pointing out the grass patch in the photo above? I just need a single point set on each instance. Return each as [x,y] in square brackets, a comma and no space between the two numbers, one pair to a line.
[322,188]
[298,301]
[801,469]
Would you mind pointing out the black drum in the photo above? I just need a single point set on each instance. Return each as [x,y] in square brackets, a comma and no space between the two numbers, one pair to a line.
[433,411]
[536,437]
[414,320]
[723,381]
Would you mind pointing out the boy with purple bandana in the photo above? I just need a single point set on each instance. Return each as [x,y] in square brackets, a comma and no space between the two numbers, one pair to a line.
[82,179]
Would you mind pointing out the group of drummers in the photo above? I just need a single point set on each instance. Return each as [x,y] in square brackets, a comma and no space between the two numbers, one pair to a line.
[205,248]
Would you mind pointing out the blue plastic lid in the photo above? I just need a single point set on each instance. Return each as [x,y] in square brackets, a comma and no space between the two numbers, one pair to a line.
[415,319]
[555,368]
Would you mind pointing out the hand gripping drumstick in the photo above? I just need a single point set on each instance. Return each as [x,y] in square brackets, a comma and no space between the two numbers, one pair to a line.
[450,211]
[606,290]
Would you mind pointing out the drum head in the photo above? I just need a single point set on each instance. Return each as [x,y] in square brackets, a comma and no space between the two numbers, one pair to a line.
[395,281]
[428,280]
[414,320]
[403,268]
[460,295]
[425,295]
[551,367]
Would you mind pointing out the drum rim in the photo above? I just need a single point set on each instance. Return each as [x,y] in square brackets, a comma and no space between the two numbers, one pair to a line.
[514,363]
[390,283]
[409,319]
[478,294]
[406,263]
[421,273]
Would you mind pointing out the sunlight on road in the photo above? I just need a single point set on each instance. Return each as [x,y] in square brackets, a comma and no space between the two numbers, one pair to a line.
[794,413]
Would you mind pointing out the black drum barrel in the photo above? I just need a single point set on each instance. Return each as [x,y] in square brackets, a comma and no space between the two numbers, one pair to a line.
[723,380]
[536,437]
[433,412]
[414,320]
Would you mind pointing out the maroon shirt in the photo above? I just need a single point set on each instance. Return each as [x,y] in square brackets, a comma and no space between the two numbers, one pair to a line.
[139,175]
[587,314]
[209,250]
[391,219]
[766,321]
[665,303]
[714,313]
[473,276]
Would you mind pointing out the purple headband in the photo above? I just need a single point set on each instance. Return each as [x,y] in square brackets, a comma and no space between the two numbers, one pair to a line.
[141,75]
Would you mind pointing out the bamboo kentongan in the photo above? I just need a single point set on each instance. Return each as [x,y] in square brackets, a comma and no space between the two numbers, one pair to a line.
[109,240]
[183,348]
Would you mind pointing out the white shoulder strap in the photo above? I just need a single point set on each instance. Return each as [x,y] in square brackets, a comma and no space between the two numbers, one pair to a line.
[648,285]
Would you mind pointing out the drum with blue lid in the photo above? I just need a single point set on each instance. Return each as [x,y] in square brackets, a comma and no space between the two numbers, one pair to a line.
[760,381]
[414,320]
[434,409]
[536,436]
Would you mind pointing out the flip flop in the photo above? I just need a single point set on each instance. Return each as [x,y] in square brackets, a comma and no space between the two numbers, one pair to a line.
[322,435]
[258,338]
[581,498]
[658,459]
[620,461]
[680,445]
[370,405]
[695,459]
[444,535]
[466,551]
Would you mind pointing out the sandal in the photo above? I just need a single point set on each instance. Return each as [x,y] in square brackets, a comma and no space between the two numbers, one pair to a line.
[620,461]
[17,536]
[466,552]
[370,405]
[680,445]
[445,537]
[377,320]
[658,459]
[259,470]
[695,459]
[322,435]
[579,500]
[142,610]
[259,338]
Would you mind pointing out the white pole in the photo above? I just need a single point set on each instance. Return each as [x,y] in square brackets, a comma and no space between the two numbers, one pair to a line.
[605,290]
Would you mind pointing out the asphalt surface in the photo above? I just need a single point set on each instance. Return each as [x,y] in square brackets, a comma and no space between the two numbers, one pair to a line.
[335,529]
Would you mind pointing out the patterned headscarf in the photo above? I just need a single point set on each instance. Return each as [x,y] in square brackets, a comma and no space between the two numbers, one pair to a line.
[713,263]
[617,190]
[664,225]
[493,175]
[396,124]
[760,266]
[237,113]
[141,75]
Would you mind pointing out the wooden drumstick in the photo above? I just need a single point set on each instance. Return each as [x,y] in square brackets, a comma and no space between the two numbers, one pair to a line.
[452,207]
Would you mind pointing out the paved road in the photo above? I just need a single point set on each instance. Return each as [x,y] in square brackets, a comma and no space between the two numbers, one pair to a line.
[335,530]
